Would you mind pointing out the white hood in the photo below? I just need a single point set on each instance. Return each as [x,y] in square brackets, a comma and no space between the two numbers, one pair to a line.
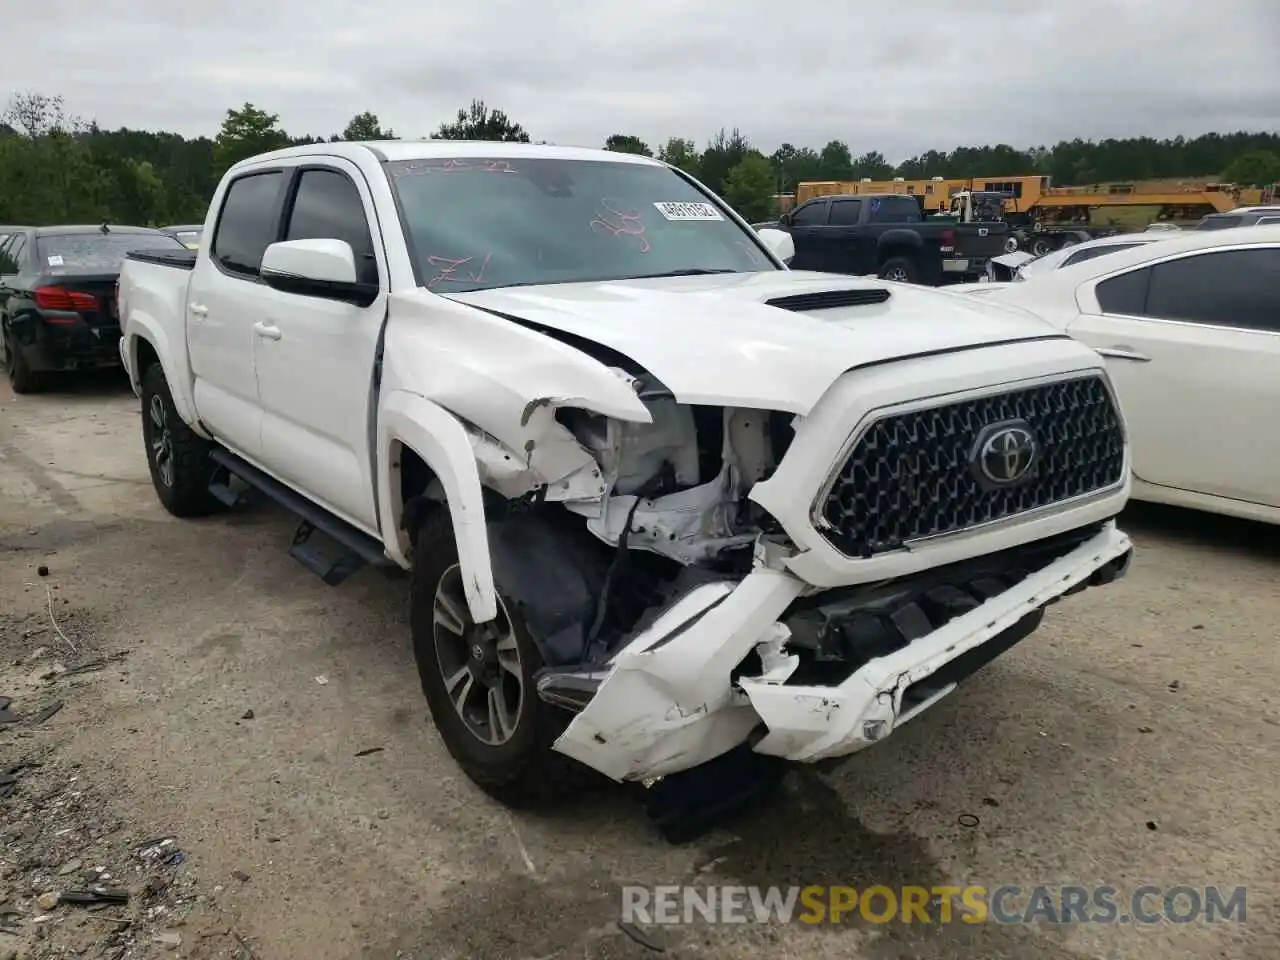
[713,340]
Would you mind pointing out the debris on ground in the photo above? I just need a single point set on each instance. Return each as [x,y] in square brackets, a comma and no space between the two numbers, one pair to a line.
[47,712]
[77,879]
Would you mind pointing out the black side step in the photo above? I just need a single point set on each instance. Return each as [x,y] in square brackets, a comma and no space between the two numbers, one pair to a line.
[356,548]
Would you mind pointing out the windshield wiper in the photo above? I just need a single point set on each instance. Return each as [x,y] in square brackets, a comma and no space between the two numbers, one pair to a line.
[689,272]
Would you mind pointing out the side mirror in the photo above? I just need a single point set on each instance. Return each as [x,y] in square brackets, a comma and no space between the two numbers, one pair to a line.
[779,243]
[784,220]
[316,268]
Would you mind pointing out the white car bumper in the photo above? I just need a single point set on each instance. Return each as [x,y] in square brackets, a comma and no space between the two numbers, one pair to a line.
[669,701]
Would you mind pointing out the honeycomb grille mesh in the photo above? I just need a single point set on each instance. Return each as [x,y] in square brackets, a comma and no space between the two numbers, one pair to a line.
[910,475]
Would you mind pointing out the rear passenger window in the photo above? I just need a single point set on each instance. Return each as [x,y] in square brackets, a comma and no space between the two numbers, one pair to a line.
[844,212]
[894,210]
[249,221]
[1231,288]
[327,206]
[1125,294]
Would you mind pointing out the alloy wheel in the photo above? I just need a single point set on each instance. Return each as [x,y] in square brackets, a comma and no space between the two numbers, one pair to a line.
[480,663]
[161,440]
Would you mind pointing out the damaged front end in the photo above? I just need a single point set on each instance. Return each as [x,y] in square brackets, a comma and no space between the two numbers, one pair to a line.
[600,524]
[679,619]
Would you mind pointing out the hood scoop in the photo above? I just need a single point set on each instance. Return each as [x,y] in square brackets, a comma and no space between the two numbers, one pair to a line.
[830,299]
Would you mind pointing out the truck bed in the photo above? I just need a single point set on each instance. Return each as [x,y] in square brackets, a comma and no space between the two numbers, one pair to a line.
[182,259]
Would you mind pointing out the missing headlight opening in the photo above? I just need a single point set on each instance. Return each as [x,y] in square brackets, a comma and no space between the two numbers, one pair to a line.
[592,565]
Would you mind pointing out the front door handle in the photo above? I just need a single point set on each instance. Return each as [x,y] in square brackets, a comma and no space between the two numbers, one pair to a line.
[1122,352]
[266,331]
[198,309]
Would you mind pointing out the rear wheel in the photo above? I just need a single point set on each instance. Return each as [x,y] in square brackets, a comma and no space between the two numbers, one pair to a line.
[900,270]
[21,377]
[479,681]
[1040,246]
[177,456]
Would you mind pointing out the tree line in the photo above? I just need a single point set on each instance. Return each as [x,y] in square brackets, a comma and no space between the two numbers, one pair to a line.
[58,168]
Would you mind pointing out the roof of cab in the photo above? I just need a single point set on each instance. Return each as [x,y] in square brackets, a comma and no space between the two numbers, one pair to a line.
[394,150]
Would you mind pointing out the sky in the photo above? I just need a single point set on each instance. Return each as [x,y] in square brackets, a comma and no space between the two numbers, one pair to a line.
[900,77]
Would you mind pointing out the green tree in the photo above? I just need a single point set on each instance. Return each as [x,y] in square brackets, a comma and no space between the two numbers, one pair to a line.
[47,172]
[365,126]
[36,115]
[627,143]
[1257,168]
[54,168]
[749,186]
[837,162]
[680,153]
[792,166]
[479,122]
[724,152]
[873,165]
[245,133]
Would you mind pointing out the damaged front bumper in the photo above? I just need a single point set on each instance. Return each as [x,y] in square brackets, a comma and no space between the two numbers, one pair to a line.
[678,694]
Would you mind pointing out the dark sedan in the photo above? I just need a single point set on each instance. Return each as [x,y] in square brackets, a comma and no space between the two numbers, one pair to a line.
[57,297]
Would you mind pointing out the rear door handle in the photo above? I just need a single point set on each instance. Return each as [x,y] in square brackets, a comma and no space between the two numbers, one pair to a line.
[266,331]
[1122,352]
[198,309]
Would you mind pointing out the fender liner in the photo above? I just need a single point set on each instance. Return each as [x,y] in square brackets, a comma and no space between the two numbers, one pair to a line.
[439,439]
[554,572]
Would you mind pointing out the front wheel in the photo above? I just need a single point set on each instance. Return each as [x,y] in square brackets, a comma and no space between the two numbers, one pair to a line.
[479,680]
[177,456]
[900,270]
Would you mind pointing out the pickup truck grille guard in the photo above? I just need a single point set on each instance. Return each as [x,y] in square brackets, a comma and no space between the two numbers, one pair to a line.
[912,476]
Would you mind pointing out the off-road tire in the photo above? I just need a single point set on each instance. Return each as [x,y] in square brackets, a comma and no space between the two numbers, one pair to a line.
[189,494]
[22,379]
[523,772]
[908,267]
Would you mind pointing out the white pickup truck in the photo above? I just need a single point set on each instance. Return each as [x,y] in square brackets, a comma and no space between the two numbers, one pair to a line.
[662,499]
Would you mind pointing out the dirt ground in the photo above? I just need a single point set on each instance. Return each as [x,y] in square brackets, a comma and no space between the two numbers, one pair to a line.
[246,752]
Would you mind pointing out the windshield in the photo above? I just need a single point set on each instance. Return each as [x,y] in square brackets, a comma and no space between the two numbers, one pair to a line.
[102,252]
[1043,264]
[988,206]
[1070,256]
[1219,223]
[478,223]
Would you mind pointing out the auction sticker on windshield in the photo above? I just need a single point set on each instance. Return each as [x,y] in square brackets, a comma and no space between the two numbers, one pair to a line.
[687,210]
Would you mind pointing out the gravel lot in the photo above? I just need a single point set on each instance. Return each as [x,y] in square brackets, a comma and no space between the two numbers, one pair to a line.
[217,694]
